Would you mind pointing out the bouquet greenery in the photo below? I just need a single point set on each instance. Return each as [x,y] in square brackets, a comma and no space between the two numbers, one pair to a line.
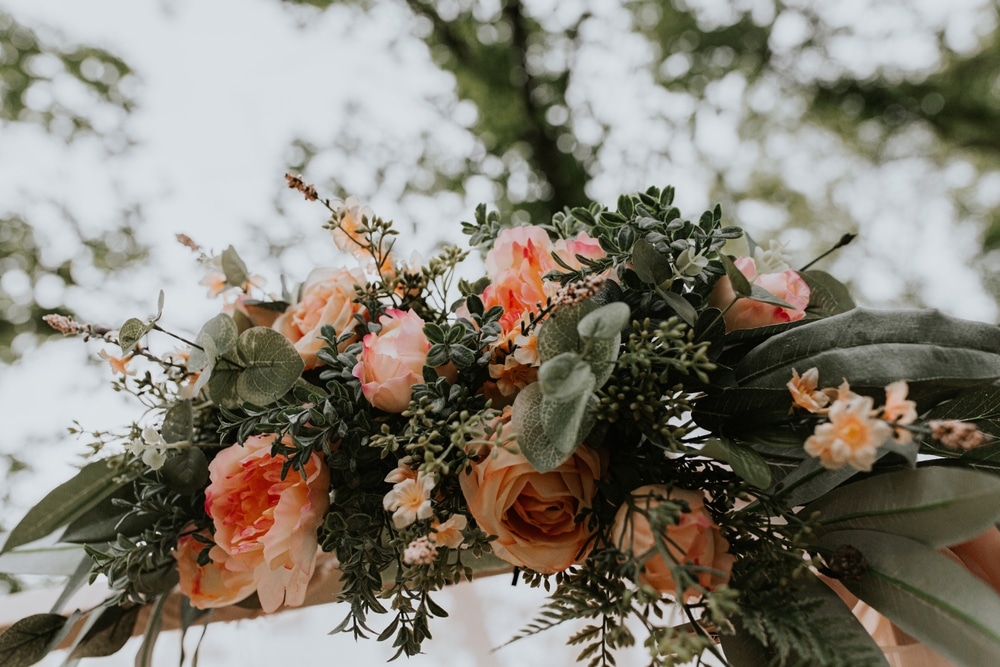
[688,443]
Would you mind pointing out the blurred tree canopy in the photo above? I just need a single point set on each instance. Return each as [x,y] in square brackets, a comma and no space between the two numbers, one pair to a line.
[71,94]
[791,111]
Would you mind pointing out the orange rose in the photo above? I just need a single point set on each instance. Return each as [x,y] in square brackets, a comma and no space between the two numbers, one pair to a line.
[266,525]
[695,539]
[327,297]
[533,514]
[392,360]
[746,314]
[212,585]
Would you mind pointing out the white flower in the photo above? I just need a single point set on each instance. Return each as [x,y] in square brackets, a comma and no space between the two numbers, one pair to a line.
[410,500]
[771,260]
[690,263]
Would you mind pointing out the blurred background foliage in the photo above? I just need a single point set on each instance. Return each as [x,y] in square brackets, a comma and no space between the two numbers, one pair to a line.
[70,93]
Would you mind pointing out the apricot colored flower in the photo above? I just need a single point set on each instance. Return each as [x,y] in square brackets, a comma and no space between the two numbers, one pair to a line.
[392,360]
[404,470]
[804,392]
[512,375]
[695,539]
[410,500]
[900,411]
[327,297]
[211,585]
[449,533]
[533,514]
[119,365]
[850,436]
[748,314]
[266,525]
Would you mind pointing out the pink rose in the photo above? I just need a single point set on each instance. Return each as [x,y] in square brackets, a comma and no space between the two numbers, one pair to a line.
[265,525]
[392,361]
[533,514]
[327,297]
[211,585]
[746,314]
[695,539]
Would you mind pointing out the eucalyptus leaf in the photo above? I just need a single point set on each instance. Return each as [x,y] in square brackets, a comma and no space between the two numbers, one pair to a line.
[178,422]
[95,481]
[564,419]
[131,332]
[558,333]
[222,385]
[217,337]
[926,594]
[937,355]
[271,365]
[652,267]
[233,267]
[31,639]
[605,323]
[936,505]
[526,422]
[745,462]
[109,632]
[186,472]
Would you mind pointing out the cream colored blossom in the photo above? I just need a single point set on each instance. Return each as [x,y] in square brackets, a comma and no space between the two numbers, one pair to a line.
[804,392]
[850,436]
[410,500]
[449,533]
[404,470]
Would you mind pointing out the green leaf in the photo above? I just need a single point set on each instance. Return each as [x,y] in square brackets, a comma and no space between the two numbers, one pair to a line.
[827,295]
[32,638]
[567,383]
[222,385]
[681,306]
[927,595]
[741,286]
[980,406]
[234,268]
[94,482]
[108,634]
[144,658]
[558,333]
[131,332]
[216,337]
[178,423]
[108,519]
[605,323]
[745,462]
[937,355]
[75,581]
[271,365]
[526,421]
[187,471]
[742,410]
[652,267]
[758,293]
[936,505]
[810,480]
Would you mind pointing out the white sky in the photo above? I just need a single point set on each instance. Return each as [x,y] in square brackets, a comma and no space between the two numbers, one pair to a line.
[225,86]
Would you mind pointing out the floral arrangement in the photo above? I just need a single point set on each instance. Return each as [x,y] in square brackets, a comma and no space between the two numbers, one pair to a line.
[688,443]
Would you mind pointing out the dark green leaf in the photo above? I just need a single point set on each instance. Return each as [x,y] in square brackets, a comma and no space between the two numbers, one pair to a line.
[234,268]
[131,332]
[271,365]
[681,306]
[936,505]
[32,638]
[108,519]
[178,422]
[741,286]
[187,471]
[927,595]
[745,462]
[651,267]
[95,482]
[827,295]
[810,480]
[742,410]
[980,405]
[108,634]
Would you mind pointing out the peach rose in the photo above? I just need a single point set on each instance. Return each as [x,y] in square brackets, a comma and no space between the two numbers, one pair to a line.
[746,314]
[533,514]
[392,360]
[266,525]
[327,297]
[696,539]
[211,585]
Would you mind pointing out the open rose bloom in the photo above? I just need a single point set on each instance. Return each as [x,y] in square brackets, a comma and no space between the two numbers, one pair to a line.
[392,360]
[748,314]
[696,539]
[265,529]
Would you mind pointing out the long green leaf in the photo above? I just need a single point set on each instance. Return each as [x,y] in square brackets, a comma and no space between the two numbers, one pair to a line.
[937,506]
[95,482]
[745,462]
[927,595]
[742,410]
[938,355]
[108,634]
[32,638]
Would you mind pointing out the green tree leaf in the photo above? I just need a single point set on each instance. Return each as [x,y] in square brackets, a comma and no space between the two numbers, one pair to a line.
[108,519]
[234,268]
[109,632]
[827,295]
[745,462]
[217,337]
[926,594]
[758,293]
[69,500]
[131,332]
[186,472]
[742,410]
[936,505]
[271,365]
[32,638]
[741,286]
[178,422]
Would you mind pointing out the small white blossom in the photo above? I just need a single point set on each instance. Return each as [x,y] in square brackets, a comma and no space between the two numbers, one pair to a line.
[771,260]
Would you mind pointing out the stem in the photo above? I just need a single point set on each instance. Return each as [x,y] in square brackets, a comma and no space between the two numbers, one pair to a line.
[844,240]
[157,327]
